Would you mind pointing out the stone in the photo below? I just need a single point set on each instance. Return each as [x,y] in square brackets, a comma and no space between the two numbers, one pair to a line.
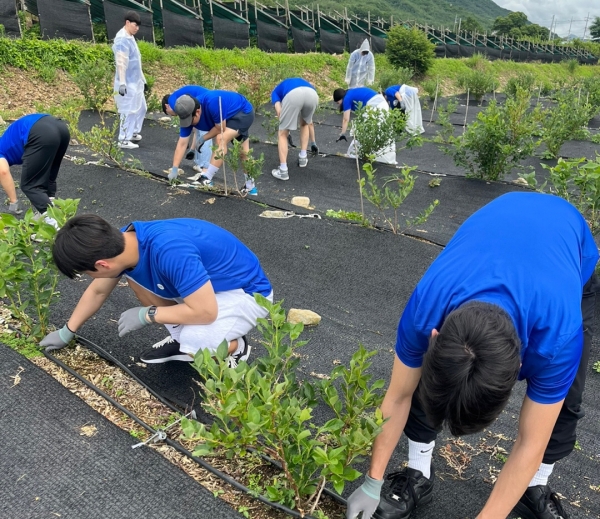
[306,317]
[301,201]
[165,119]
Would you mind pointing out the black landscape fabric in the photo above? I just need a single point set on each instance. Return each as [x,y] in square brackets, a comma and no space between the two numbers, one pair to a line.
[182,30]
[60,458]
[65,19]
[229,34]
[358,279]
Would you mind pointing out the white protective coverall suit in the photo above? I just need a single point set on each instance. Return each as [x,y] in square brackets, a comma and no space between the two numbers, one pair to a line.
[132,106]
[412,106]
[361,69]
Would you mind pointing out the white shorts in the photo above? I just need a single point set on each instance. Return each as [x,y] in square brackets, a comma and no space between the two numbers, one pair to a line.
[238,314]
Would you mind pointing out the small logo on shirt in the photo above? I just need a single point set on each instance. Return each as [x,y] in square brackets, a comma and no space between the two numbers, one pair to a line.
[160,286]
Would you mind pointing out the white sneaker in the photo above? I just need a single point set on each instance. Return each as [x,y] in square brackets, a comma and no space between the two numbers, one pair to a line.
[280,174]
[136,137]
[128,145]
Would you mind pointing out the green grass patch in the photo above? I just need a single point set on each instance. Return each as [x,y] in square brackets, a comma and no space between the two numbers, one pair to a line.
[25,346]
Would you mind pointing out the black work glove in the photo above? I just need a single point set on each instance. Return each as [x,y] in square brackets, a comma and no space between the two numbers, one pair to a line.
[146,87]
[342,137]
[290,141]
[201,143]
[314,149]
[190,155]
[122,90]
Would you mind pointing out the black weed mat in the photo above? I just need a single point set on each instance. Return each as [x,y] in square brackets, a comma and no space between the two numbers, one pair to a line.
[49,468]
[357,279]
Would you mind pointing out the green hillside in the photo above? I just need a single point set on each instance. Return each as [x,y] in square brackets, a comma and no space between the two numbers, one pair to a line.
[432,12]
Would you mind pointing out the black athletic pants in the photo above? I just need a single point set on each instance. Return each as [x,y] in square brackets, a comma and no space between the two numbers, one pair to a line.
[46,146]
[562,440]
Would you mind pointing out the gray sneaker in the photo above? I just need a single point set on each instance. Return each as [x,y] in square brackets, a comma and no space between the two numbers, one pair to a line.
[280,174]
[302,162]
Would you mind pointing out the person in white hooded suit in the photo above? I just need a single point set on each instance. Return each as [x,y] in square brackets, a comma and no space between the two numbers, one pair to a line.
[361,67]
[130,82]
[406,98]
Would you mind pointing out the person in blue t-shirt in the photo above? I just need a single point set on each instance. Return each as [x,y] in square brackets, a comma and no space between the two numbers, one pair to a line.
[194,277]
[292,98]
[39,143]
[511,297]
[350,101]
[201,157]
[406,98]
[224,115]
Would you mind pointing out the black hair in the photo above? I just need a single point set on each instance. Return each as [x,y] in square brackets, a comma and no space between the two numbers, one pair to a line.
[338,94]
[165,103]
[470,368]
[133,16]
[84,240]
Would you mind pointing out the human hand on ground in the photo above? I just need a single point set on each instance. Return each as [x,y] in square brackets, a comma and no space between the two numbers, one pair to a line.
[342,137]
[57,339]
[122,90]
[314,149]
[133,319]
[173,173]
[364,499]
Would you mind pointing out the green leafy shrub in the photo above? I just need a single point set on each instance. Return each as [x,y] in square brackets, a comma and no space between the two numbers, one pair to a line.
[477,62]
[266,408]
[390,78]
[524,81]
[394,191]
[95,82]
[565,121]
[571,65]
[578,181]
[410,48]
[498,140]
[477,83]
[375,129]
[29,277]
[236,161]
[445,135]
[590,91]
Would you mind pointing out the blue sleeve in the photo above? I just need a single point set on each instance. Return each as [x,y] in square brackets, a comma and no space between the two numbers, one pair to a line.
[411,343]
[277,96]
[185,132]
[552,381]
[347,102]
[214,114]
[179,262]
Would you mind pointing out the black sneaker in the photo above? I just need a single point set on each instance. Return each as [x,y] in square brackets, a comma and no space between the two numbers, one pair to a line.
[408,489]
[240,356]
[540,502]
[165,351]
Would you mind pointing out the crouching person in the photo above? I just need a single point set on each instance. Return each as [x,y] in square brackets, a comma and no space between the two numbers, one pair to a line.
[192,276]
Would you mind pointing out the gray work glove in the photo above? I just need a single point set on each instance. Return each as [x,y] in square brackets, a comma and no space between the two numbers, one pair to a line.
[314,149]
[58,339]
[342,137]
[174,172]
[364,499]
[133,319]
[122,90]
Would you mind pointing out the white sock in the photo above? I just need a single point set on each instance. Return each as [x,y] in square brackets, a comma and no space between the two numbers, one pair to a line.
[174,330]
[419,456]
[302,154]
[211,171]
[283,166]
[542,475]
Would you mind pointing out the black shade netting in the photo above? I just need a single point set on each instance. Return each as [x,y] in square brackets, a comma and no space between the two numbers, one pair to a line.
[378,44]
[64,19]
[271,37]
[229,35]
[304,41]
[182,30]
[332,43]
[9,18]
[115,20]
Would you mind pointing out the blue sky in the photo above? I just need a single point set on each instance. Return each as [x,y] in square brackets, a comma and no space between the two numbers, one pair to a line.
[541,11]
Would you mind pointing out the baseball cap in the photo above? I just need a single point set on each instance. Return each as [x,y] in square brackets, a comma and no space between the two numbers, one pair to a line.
[184,108]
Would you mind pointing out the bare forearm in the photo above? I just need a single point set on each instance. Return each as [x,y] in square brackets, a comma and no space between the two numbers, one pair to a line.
[91,301]
[516,474]
[180,151]
[183,314]
[386,441]
[7,182]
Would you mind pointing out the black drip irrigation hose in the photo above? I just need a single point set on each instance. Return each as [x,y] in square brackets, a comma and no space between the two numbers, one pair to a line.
[221,475]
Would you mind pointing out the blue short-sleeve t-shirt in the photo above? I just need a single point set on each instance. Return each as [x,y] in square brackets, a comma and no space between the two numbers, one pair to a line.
[230,104]
[198,93]
[286,86]
[354,96]
[528,253]
[390,93]
[14,139]
[179,256]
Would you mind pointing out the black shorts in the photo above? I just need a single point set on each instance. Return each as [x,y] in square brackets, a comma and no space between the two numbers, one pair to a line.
[241,122]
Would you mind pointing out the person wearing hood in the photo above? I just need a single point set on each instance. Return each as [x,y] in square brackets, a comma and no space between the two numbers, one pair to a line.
[406,98]
[361,67]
